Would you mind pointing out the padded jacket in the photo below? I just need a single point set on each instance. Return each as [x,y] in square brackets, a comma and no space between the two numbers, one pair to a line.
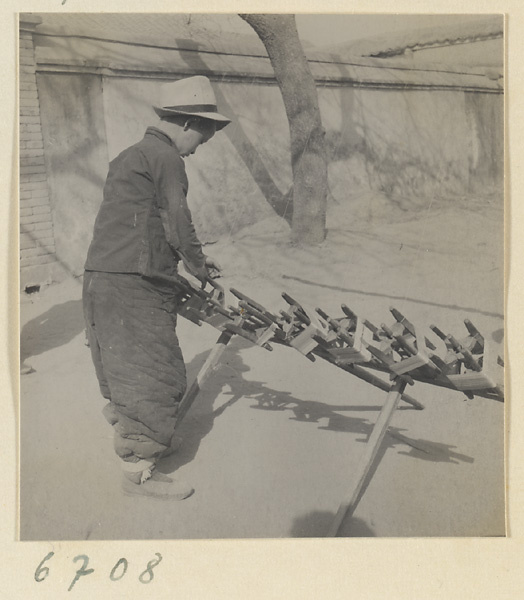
[144,225]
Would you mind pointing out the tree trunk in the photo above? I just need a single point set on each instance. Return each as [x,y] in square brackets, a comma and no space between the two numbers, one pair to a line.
[279,35]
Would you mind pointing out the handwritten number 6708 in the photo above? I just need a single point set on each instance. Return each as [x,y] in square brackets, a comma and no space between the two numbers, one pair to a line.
[117,572]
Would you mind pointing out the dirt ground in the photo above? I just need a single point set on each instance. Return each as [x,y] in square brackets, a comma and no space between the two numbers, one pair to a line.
[273,440]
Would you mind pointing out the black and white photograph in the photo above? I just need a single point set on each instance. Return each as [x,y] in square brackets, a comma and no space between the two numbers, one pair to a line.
[261,276]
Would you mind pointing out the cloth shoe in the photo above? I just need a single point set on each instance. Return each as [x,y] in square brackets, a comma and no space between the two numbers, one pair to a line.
[158,486]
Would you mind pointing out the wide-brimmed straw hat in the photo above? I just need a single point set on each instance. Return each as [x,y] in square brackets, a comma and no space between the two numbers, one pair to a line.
[192,96]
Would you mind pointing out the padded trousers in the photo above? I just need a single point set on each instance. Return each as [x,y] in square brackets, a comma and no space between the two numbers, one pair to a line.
[131,330]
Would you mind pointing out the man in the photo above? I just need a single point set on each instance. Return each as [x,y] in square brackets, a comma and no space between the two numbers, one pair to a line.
[143,229]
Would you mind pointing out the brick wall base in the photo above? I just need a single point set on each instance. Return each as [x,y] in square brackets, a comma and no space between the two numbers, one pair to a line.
[38,262]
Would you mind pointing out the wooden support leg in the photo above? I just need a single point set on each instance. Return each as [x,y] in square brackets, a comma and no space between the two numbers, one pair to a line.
[348,506]
[207,368]
[376,381]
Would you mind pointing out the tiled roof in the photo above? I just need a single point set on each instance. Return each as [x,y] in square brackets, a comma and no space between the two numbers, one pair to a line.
[394,44]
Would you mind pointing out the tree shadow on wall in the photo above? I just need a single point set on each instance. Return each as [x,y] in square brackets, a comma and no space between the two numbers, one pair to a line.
[281,203]
[403,173]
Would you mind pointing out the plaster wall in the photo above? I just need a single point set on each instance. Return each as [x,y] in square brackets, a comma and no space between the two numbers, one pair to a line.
[76,159]
[409,146]
[413,145]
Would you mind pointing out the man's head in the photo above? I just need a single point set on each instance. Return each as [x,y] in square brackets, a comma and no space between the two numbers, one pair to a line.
[188,113]
[187,133]
[193,96]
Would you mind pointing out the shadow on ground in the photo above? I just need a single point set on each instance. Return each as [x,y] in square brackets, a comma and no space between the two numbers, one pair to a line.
[61,323]
[317,524]
[54,328]
[200,420]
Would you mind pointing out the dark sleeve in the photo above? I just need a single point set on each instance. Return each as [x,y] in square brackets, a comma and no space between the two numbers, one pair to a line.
[171,186]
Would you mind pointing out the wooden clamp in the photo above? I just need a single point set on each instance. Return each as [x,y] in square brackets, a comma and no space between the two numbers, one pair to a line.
[384,358]
[351,338]
[471,364]
[304,328]
[258,325]
[410,347]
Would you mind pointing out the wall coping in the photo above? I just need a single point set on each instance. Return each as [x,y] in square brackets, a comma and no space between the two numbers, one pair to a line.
[113,59]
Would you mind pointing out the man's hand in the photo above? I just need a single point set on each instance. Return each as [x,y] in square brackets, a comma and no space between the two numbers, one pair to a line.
[209,270]
[213,268]
[201,273]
